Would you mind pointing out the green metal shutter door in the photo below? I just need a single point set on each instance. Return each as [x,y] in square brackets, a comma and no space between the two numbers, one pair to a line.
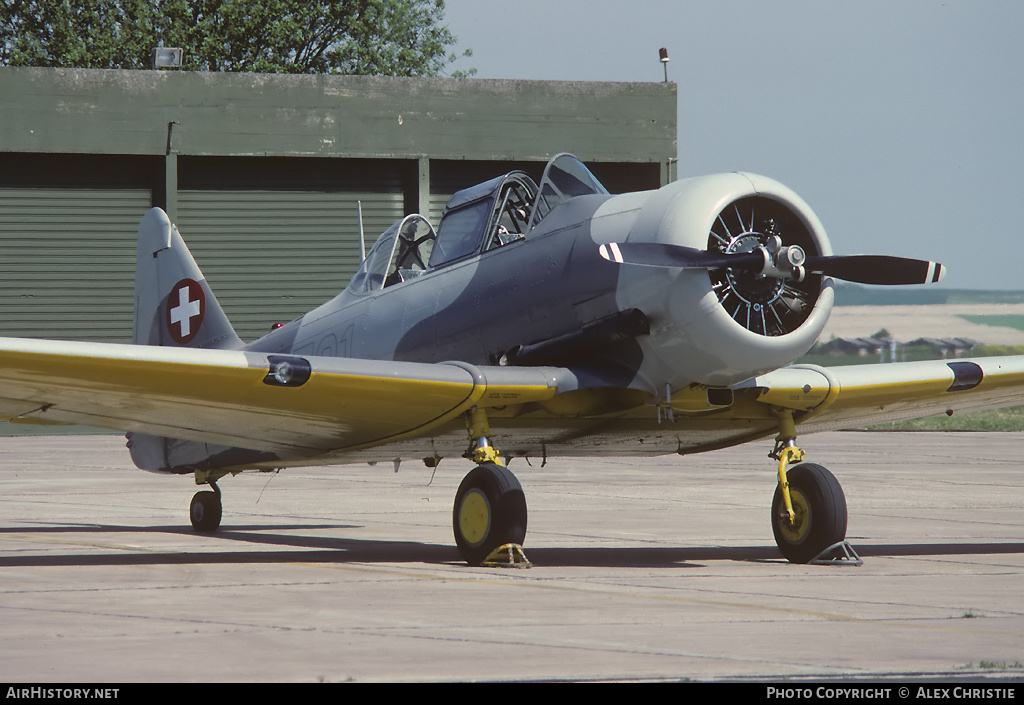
[437,203]
[67,262]
[271,256]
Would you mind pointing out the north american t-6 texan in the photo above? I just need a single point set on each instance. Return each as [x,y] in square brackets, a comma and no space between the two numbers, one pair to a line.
[535,321]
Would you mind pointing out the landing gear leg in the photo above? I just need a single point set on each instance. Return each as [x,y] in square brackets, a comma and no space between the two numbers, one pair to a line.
[490,506]
[809,507]
[205,510]
[480,449]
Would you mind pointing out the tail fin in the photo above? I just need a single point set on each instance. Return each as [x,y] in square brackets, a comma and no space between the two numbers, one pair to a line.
[175,307]
[173,304]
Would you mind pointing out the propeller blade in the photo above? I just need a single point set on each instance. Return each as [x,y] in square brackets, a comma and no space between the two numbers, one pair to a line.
[652,254]
[862,269]
[877,269]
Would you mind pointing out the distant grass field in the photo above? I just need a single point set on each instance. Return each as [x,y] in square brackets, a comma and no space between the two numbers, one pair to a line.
[1009,419]
[1006,320]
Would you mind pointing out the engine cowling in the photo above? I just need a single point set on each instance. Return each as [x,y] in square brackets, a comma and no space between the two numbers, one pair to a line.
[722,326]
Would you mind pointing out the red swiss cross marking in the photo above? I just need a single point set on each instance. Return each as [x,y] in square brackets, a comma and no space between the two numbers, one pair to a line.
[186,306]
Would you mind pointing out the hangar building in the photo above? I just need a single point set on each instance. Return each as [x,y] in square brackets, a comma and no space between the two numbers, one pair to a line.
[266,176]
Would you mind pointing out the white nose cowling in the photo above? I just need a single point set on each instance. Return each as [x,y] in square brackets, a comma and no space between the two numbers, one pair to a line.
[720,326]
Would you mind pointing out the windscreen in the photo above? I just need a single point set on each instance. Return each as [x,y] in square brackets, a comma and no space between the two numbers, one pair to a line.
[565,177]
[370,275]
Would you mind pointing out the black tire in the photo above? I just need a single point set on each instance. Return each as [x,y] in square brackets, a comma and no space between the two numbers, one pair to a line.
[489,512]
[820,508]
[205,512]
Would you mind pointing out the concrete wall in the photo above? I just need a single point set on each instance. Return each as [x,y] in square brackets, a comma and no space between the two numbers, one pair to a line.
[153,112]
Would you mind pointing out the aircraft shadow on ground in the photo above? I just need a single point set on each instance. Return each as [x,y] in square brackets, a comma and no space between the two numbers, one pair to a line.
[305,548]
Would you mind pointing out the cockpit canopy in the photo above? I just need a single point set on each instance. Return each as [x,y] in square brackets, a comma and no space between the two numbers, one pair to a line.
[401,253]
[493,214]
[483,217]
[565,177]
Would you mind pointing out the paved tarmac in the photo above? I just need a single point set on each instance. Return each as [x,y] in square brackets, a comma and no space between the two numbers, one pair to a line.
[643,569]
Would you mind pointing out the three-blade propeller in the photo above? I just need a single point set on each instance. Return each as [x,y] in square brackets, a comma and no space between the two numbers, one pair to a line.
[785,263]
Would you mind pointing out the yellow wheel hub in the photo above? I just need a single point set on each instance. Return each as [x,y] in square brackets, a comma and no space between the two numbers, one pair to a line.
[475,517]
[797,530]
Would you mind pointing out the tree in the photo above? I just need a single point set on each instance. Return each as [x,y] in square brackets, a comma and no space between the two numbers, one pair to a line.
[366,37]
[88,33]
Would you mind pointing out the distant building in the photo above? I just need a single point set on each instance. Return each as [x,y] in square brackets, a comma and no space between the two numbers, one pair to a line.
[265,175]
[853,346]
[947,347]
[889,350]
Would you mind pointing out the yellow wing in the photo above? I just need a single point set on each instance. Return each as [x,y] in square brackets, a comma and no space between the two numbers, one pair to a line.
[285,404]
[830,398]
[303,407]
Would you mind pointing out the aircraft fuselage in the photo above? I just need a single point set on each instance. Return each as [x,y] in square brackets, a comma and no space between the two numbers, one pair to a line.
[655,329]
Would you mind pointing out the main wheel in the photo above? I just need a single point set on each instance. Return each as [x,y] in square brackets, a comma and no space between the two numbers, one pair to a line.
[820,508]
[490,511]
[205,511]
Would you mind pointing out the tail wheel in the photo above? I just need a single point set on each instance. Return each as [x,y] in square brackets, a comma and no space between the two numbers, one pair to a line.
[205,511]
[489,512]
[820,508]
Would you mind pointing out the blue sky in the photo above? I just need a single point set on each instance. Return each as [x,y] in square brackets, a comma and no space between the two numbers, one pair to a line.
[901,123]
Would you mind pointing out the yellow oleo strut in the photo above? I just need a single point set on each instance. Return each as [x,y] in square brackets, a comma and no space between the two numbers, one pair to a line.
[786,452]
[481,451]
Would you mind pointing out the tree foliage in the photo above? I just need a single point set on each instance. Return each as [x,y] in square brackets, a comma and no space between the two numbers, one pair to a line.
[366,37]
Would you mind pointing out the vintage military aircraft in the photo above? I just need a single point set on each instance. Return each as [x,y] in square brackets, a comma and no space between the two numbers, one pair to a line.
[536,321]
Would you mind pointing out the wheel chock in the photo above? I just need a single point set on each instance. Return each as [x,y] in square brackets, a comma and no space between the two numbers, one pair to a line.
[841,553]
[508,556]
